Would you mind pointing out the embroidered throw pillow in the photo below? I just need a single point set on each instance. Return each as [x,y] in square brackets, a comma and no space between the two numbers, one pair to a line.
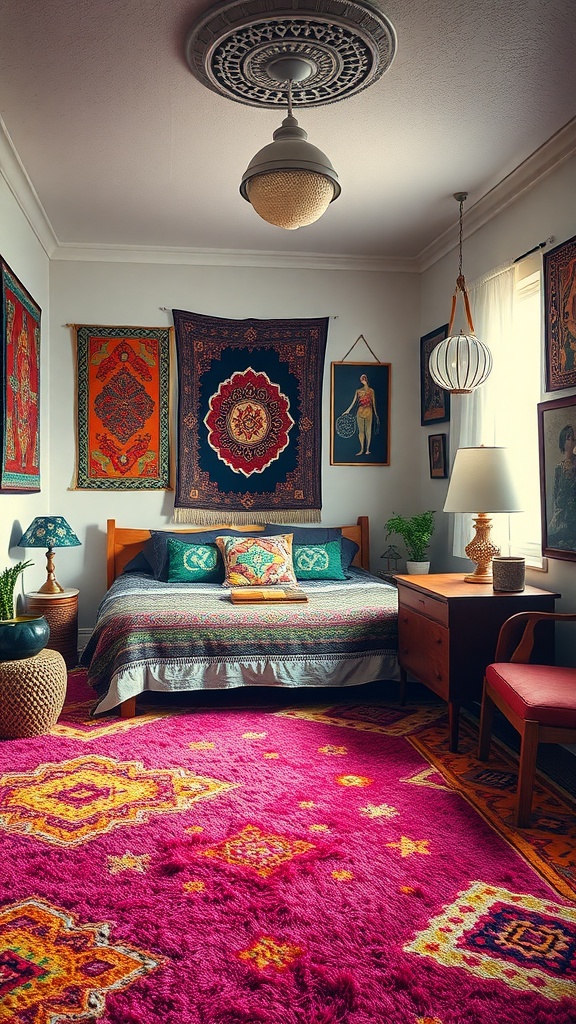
[194,563]
[318,561]
[257,561]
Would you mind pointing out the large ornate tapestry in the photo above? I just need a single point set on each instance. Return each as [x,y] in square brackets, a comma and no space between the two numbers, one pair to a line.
[20,376]
[249,419]
[123,407]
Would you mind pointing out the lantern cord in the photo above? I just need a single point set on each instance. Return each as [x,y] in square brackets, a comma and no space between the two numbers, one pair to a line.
[460,281]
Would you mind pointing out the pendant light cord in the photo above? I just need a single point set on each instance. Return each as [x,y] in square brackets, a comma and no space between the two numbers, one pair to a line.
[460,282]
[460,240]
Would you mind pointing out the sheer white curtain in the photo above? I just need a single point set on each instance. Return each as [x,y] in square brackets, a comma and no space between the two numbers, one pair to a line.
[474,417]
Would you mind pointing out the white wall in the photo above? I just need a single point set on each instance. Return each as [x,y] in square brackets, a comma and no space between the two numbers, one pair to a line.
[382,307]
[22,251]
[392,311]
[547,209]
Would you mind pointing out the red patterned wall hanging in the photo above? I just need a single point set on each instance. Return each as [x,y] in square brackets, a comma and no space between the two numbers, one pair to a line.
[20,375]
[123,407]
[249,419]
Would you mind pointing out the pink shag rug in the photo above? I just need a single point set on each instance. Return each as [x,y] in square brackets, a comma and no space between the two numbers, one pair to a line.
[282,865]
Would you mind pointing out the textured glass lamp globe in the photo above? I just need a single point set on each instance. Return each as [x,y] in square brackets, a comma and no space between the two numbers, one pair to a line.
[460,364]
[290,199]
[290,182]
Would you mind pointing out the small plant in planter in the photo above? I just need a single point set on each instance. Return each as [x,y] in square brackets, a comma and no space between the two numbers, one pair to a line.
[416,532]
[21,636]
[8,580]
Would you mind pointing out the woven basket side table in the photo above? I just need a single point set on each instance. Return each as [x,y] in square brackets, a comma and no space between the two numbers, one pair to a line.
[32,692]
[61,613]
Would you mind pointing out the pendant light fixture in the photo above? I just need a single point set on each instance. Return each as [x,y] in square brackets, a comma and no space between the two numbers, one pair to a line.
[460,363]
[276,54]
[290,183]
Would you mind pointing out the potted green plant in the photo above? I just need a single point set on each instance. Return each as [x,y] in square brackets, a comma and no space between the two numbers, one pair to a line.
[21,636]
[416,532]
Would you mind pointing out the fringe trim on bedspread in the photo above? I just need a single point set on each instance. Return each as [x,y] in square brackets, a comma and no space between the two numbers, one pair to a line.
[208,517]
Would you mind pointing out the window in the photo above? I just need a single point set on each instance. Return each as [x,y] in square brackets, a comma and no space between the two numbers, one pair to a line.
[520,429]
[506,307]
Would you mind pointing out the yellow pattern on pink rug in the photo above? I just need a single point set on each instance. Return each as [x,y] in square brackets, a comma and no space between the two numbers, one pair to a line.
[53,968]
[263,852]
[70,802]
[525,942]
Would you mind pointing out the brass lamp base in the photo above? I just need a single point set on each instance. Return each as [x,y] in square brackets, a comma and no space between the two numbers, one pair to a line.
[51,586]
[481,550]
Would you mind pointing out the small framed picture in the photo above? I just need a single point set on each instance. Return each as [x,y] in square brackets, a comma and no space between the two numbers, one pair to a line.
[360,414]
[557,448]
[560,315]
[434,400]
[437,456]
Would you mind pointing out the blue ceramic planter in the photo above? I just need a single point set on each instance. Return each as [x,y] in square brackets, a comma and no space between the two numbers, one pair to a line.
[23,637]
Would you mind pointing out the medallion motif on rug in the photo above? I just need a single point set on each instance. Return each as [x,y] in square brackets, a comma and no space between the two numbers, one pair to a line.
[54,968]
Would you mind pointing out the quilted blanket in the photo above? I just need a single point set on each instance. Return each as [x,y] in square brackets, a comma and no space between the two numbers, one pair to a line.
[151,635]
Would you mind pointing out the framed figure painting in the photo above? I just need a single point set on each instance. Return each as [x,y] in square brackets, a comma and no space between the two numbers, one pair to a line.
[557,446]
[360,414]
[434,401]
[20,376]
[560,315]
[437,456]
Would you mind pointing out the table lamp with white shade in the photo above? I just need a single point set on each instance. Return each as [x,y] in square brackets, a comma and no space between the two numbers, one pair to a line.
[481,483]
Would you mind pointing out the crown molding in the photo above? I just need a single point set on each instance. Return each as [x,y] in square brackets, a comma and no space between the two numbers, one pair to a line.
[230,258]
[543,161]
[548,157]
[14,173]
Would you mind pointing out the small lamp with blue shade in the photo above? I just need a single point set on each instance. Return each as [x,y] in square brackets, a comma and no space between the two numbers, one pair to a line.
[49,532]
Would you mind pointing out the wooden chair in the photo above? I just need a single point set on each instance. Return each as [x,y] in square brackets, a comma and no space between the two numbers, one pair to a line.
[538,700]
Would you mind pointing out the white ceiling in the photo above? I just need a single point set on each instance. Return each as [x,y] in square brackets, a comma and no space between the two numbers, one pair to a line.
[124,147]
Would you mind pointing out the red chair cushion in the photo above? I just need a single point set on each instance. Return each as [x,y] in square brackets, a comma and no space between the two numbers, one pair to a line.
[537,693]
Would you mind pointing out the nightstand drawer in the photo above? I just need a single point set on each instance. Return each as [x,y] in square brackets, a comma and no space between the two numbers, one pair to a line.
[424,650]
[424,604]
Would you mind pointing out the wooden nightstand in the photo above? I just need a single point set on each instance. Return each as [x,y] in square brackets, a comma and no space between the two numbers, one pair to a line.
[447,632]
[61,613]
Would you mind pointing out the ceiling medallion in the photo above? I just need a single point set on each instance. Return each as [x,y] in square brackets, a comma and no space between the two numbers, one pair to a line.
[347,45]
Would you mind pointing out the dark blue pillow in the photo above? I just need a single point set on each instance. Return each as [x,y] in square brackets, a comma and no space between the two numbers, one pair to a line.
[138,564]
[317,535]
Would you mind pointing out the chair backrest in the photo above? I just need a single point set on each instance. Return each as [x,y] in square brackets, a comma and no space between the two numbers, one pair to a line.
[516,637]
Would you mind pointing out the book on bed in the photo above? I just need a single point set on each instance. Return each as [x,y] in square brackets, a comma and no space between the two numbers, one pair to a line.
[261,595]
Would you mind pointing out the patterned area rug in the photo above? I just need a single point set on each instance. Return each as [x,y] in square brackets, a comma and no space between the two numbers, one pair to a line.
[321,863]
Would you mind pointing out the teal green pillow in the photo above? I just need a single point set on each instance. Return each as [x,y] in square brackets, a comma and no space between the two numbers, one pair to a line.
[318,561]
[194,563]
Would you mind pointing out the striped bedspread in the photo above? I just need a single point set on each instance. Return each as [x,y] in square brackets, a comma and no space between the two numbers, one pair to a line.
[159,636]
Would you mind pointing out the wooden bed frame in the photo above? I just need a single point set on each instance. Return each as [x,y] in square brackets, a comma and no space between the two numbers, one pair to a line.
[123,543]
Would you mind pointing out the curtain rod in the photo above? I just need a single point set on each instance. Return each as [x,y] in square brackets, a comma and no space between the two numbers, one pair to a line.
[541,245]
[167,309]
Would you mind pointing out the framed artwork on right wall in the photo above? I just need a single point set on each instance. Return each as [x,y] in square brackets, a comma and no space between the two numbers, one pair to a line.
[434,400]
[557,444]
[560,315]
[437,456]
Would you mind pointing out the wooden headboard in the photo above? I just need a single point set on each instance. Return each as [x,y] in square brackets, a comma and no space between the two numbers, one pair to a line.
[123,543]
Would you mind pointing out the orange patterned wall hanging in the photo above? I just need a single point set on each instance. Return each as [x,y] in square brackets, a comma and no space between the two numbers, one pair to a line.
[123,407]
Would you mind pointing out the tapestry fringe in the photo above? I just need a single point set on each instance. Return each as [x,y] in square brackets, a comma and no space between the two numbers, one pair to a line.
[207,517]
